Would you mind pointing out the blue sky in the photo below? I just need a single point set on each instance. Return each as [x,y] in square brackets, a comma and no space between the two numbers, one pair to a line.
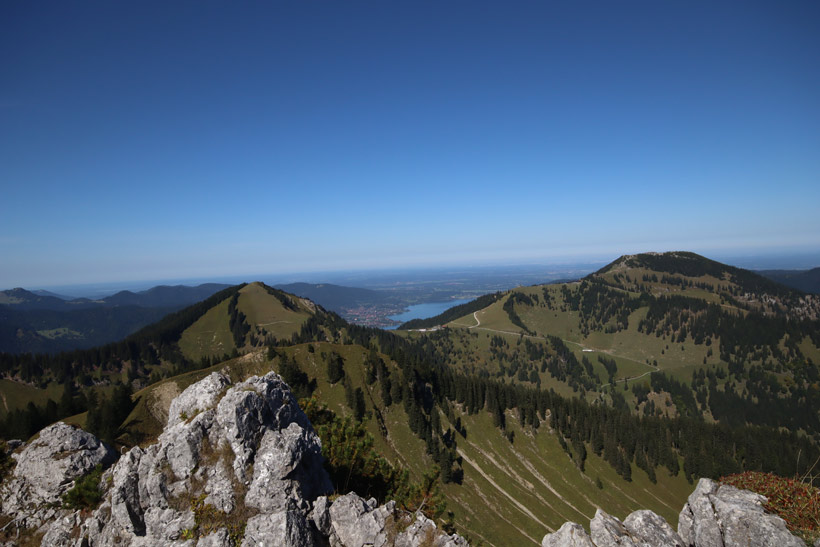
[161,140]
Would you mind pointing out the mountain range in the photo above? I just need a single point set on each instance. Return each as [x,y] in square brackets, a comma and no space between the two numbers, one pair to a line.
[804,280]
[528,407]
[38,322]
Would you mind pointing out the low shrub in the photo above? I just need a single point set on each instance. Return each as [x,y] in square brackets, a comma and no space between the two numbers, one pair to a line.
[86,493]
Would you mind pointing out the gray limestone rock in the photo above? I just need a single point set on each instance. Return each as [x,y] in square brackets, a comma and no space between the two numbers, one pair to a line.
[282,528]
[219,486]
[568,535]
[124,507]
[722,516]
[608,531]
[697,524]
[61,531]
[423,531]
[249,409]
[167,524]
[46,469]
[220,538]
[649,528]
[744,521]
[714,516]
[217,436]
[196,398]
[285,468]
[320,515]
[354,523]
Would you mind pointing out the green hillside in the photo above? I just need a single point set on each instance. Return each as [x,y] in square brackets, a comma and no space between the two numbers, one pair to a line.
[265,314]
[677,334]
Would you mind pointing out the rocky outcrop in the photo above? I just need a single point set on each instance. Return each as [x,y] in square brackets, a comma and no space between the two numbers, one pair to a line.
[240,460]
[351,521]
[714,516]
[46,469]
[717,515]
[639,529]
[568,535]
[235,465]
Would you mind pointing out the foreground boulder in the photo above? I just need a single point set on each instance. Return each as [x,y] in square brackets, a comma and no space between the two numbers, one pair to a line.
[718,515]
[46,469]
[235,465]
[714,516]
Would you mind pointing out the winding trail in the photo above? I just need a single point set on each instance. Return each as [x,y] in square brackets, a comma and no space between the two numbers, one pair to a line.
[271,323]
[583,347]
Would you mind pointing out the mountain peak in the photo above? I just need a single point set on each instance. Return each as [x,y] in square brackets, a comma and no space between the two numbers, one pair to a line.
[690,274]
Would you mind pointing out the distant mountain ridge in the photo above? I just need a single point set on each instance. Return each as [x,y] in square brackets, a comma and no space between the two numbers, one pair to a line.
[690,264]
[43,292]
[22,299]
[803,280]
[161,296]
[32,322]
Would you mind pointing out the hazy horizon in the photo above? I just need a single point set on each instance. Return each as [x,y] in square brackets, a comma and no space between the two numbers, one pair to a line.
[161,141]
[354,277]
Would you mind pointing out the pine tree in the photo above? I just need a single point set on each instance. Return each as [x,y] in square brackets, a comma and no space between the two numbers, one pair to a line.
[335,368]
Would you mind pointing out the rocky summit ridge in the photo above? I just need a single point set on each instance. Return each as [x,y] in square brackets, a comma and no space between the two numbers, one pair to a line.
[237,464]
[240,464]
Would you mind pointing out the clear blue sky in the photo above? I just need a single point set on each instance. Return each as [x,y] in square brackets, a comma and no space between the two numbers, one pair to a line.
[159,140]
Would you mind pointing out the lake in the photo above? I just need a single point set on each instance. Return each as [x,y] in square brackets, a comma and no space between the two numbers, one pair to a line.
[430,309]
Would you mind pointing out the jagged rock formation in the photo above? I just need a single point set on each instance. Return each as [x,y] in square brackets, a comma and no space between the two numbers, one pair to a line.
[235,465]
[714,516]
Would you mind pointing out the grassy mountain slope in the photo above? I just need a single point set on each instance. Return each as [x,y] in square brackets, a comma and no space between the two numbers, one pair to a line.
[268,313]
[733,341]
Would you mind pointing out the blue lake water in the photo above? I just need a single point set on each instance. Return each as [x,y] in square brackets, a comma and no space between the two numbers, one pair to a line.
[430,309]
